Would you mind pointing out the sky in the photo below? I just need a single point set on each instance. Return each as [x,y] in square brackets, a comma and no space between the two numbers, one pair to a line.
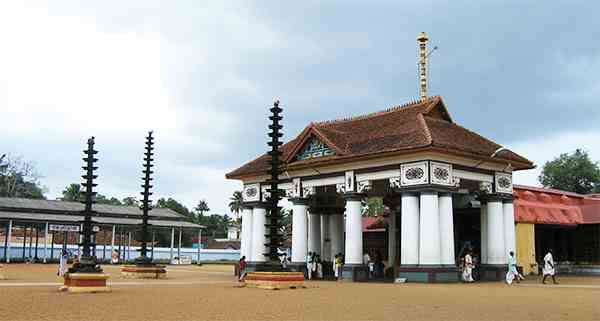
[202,75]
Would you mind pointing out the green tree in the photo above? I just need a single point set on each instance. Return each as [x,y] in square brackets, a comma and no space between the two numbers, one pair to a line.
[201,208]
[373,207]
[130,201]
[71,193]
[175,206]
[236,203]
[101,199]
[19,178]
[574,172]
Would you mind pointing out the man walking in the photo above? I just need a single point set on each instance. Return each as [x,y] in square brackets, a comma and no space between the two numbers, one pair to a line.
[549,269]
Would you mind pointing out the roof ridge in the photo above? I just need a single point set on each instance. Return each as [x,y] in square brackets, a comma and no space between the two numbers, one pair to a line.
[470,131]
[403,107]
[423,123]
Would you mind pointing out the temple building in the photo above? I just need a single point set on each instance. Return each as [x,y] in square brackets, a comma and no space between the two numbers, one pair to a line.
[420,162]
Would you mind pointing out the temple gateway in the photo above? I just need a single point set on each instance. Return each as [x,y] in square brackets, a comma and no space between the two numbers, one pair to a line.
[419,161]
[426,168]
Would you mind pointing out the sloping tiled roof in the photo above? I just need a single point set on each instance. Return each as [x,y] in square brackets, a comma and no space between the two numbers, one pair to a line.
[60,211]
[423,124]
[551,206]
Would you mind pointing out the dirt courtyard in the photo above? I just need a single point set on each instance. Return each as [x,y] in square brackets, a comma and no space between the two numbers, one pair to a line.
[211,293]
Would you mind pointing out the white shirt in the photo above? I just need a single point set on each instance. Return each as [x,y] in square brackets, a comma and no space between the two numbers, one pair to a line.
[366,258]
[548,264]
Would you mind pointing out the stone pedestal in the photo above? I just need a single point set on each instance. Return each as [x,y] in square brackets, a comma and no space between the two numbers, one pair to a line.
[143,272]
[429,274]
[85,283]
[493,272]
[274,280]
[355,272]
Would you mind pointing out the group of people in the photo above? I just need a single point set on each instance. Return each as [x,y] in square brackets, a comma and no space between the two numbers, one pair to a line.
[314,266]
[375,264]
[470,264]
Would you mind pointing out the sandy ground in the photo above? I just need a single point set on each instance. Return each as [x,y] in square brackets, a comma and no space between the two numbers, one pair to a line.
[210,293]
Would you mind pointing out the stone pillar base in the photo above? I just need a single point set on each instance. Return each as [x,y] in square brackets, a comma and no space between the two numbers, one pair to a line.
[493,272]
[143,272]
[85,283]
[297,267]
[355,272]
[274,280]
[429,274]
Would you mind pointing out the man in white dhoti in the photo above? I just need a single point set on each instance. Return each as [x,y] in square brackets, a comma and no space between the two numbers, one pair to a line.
[309,265]
[468,268]
[548,269]
[513,272]
[62,266]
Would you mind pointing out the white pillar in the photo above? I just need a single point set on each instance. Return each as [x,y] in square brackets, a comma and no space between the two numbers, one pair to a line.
[299,231]
[429,229]
[46,243]
[446,229]
[259,232]
[354,237]
[495,230]
[509,227]
[325,239]
[129,246]
[314,233]
[172,244]
[336,233]
[179,247]
[112,242]
[392,240]
[9,243]
[199,244]
[409,229]
[246,243]
[484,234]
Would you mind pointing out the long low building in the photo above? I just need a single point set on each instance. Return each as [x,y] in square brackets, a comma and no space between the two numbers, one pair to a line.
[47,218]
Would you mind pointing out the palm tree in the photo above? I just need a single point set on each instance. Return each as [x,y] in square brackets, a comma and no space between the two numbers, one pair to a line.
[237,202]
[71,193]
[201,208]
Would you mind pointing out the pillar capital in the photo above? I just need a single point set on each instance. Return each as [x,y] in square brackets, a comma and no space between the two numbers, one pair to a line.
[299,201]
[353,196]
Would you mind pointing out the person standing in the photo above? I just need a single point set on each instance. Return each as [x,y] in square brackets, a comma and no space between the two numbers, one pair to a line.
[62,265]
[339,259]
[549,269]
[242,269]
[513,272]
[309,269]
[319,267]
[468,268]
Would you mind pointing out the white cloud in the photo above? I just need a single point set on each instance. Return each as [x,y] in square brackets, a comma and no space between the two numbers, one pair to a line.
[543,149]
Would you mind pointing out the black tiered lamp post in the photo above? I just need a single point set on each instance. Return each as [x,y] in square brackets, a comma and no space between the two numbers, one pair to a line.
[87,263]
[146,202]
[273,225]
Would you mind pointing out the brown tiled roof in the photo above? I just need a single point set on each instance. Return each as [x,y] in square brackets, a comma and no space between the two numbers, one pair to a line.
[419,125]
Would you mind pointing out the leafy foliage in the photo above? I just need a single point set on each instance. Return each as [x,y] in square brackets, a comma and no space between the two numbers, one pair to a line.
[236,203]
[373,207]
[574,172]
[19,178]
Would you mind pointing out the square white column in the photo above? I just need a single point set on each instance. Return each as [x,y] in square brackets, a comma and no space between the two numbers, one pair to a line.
[429,229]
[325,238]
[246,242]
[259,231]
[314,233]
[509,227]
[354,237]
[299,230]
[495,228]
[336,233]
[484,234]
[409,229]
[446,229]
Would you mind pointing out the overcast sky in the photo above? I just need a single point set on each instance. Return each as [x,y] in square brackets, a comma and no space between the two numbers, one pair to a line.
[203,74]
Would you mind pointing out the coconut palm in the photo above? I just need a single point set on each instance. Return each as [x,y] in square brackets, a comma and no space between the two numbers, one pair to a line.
[237,202]
[201,208]
[71,193]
